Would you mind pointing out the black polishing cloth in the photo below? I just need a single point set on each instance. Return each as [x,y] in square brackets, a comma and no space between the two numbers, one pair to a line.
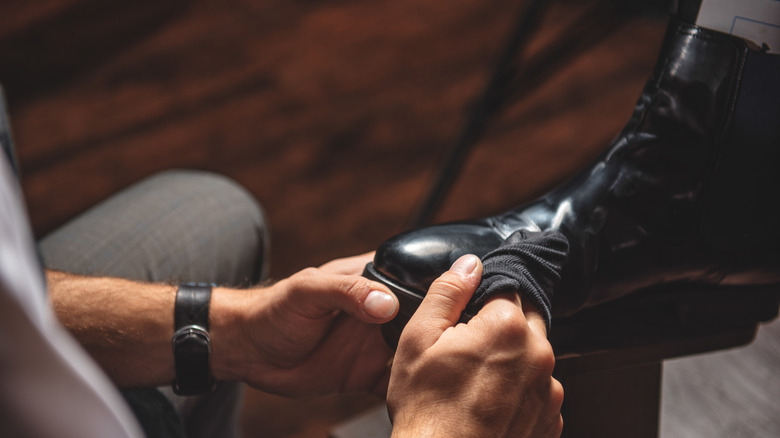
[527,262]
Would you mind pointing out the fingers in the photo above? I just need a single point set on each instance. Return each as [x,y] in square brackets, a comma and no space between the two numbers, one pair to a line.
[528,313]
[317,292]
[438,363]
[550,421]
[448,295]
[535,319]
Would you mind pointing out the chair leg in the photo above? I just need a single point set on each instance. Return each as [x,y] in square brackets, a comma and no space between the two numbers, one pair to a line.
[612,403]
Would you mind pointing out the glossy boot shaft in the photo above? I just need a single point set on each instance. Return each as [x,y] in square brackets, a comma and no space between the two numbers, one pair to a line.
[685,195]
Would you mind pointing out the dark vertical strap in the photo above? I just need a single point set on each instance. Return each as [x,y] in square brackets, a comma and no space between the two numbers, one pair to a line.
[481,112]
[192,305]
[191,341]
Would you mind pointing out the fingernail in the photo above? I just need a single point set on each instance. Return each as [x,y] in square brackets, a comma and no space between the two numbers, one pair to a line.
[465,265]
[379,305]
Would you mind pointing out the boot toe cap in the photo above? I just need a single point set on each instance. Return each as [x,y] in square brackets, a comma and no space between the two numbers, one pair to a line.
[416,258]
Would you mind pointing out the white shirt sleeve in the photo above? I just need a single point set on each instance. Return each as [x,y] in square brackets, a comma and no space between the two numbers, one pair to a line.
[49,386]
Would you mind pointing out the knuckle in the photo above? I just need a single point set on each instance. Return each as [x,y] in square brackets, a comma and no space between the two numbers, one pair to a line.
[445,289]
[448,283]
[516,323]
[556,395]
[543,357]
[302,279]
[557,428]
[511,324]
[306,275]
[352,286]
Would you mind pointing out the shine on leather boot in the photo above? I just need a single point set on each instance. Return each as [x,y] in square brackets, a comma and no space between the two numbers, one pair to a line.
[686,197]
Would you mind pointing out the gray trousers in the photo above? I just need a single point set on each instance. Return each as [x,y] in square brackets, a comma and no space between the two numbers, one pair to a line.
[173,227]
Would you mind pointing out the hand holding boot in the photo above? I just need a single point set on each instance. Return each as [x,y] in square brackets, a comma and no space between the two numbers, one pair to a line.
[489,377]
[316,332]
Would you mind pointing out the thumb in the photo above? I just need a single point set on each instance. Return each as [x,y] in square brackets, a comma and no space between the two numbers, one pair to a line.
[318,293]
[448,295]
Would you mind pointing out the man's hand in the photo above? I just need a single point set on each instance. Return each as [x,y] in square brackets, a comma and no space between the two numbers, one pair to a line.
[314,332]
[489,377]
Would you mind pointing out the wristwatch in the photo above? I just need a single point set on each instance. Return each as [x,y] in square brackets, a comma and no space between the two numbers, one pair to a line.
[191,341]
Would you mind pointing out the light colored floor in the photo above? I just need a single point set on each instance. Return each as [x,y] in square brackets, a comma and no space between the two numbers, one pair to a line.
[734,393]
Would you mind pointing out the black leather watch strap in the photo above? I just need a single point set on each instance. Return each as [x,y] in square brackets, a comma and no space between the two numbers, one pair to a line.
[192,305]
[191,341]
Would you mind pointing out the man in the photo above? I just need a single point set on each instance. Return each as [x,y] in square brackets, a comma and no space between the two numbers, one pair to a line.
[113,281]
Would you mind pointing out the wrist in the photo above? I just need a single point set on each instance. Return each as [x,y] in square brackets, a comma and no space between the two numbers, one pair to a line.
[442,419]
[191,340]
[230,309]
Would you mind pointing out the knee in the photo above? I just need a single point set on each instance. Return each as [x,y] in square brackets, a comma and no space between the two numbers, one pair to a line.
[214,198]
[219,207]
[175,225]
[209,191]
[223,210]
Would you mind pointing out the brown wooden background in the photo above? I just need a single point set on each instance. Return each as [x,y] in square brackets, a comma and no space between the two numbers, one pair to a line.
[333,113]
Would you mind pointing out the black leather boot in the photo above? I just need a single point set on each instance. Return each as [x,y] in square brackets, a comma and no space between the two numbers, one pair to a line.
[686,197]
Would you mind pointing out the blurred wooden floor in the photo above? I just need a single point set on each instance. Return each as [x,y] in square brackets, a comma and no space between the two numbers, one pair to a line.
[334,114]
